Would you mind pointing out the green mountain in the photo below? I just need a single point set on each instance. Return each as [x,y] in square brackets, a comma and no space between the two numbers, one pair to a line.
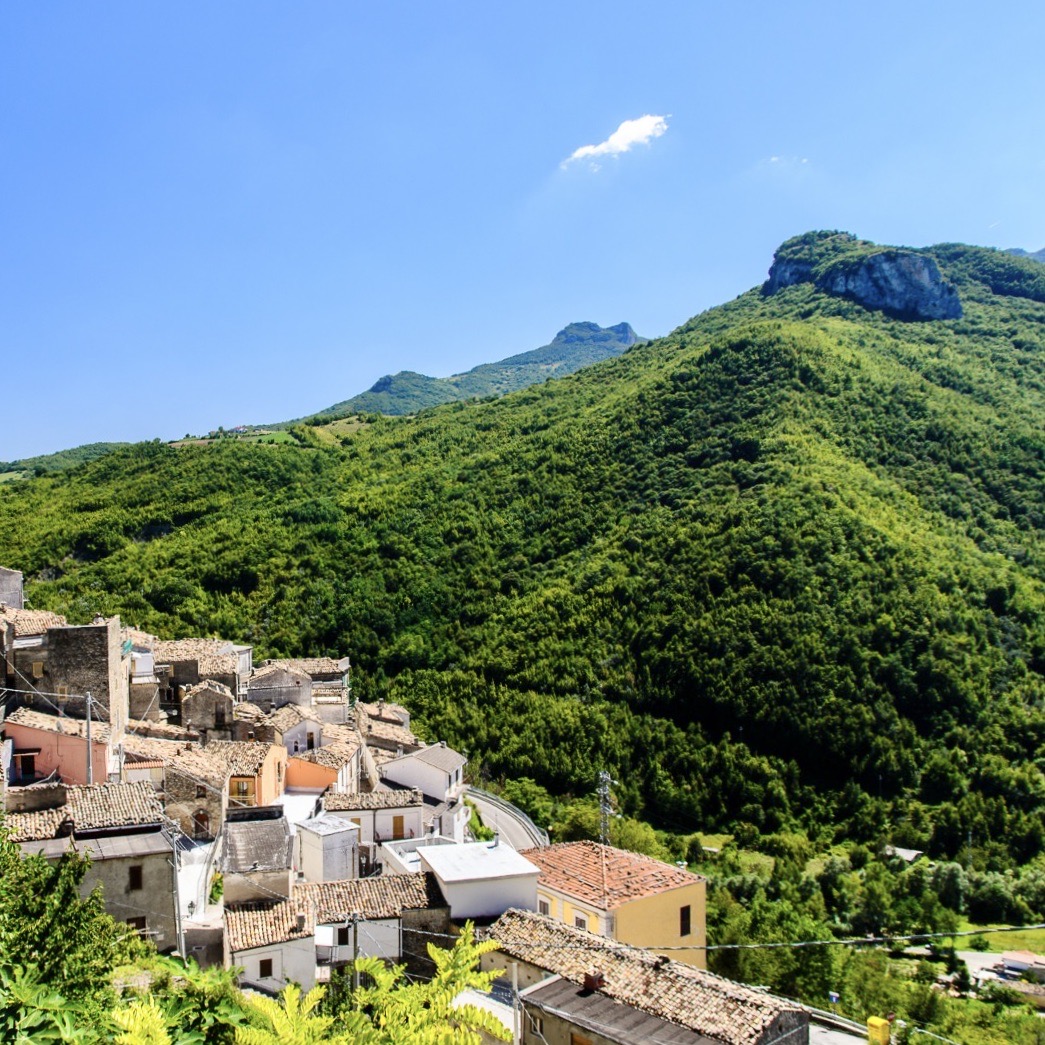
[56,462]
[785,566]
[576,346]
[1038,255]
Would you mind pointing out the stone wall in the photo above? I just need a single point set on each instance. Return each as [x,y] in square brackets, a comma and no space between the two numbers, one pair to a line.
[416,924]
[78,660]
[11,588]
[198,806]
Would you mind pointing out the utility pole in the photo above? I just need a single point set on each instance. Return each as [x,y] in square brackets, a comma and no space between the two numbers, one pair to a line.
[516,1023]
[605,806]
[90,750]
[355,956]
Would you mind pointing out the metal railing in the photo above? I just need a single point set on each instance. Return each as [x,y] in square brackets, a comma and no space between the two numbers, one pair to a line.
[538,836]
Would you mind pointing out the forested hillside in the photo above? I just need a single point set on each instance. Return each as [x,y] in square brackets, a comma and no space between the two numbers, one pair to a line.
[782,567]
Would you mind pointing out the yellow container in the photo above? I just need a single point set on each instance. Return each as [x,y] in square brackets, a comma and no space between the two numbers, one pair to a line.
[878,1030]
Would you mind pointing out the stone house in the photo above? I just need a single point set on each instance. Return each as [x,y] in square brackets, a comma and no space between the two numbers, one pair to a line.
[188,662]
[623,994]
[386,729]
[208,707]
[324,924]
[275,685]
[331,690]
[625,896]
[49,663]
[194,785]
[297,727]
[120,827]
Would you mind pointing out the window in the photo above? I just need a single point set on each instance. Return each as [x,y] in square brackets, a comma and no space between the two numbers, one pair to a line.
[241,787]
[219,718]
[38,669]
[201,791]
[265,969]
[580,921]
[62,689]
[138,924]
[685,921]
[134,877]
[342,936]
[537,1022]
[579,1039]
[543,907]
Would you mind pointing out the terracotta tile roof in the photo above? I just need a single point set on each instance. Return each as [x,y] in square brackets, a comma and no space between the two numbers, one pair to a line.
[141,639]
[604,876]
[113,805]
[333,756]
[198,765]
[384,712]
[723,1010]
[219,664]
[291,715]
[161,730]
[247,711]
[208,685]
[31,622]
[336,802]
[37,825]
[259,924]
[152,747]
[339,732]
[69,727]
[277,667]
[170,651]
[243,757]
[178,756]
[87,808]
[312,665]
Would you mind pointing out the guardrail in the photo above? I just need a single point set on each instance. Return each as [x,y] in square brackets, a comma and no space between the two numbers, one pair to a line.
[539,837]
[833,1019]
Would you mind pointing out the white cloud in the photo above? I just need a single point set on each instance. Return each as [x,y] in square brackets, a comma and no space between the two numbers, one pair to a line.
[629,134]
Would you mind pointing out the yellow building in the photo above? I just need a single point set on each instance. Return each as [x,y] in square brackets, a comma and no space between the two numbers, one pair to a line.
[625,896]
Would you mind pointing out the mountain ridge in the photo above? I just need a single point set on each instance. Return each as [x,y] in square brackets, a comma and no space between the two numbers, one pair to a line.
[575,346]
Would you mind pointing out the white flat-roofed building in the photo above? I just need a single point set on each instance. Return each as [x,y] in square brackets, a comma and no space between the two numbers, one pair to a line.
[482,879]
[327,849]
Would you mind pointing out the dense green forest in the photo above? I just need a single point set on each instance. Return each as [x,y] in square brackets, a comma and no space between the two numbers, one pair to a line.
[42,465]
[780,570]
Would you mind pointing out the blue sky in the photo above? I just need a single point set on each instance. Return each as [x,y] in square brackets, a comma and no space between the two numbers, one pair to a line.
[224,213]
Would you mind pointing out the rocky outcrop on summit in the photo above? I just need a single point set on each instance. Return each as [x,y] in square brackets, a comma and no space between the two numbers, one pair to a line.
[896,281]
[904,283]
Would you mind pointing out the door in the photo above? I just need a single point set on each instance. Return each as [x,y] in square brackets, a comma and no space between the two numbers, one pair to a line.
[398,830]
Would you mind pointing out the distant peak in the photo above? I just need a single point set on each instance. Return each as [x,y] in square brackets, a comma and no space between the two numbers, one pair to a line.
[587,331]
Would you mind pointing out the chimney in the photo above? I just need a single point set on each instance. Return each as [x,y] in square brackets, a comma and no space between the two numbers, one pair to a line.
[301,923]
[594,980]
[496,840]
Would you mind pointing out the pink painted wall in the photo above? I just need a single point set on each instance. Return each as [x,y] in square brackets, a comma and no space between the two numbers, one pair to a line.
[67,754]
